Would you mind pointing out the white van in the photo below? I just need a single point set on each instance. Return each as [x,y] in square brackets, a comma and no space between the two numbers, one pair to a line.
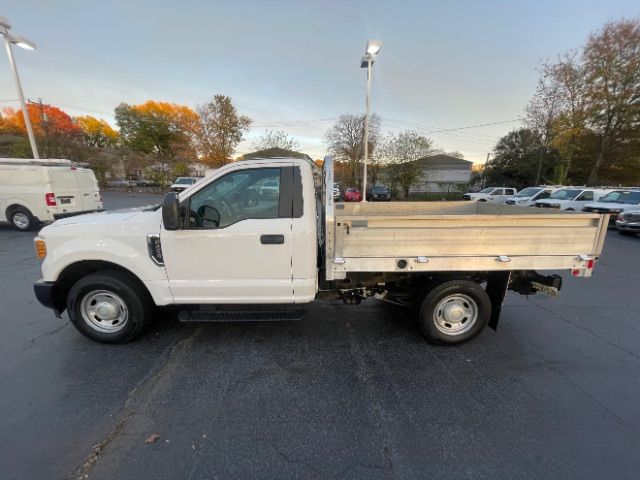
[572,198]
[35,191]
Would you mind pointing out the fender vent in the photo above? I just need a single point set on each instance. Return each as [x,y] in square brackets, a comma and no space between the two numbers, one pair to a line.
[155,249]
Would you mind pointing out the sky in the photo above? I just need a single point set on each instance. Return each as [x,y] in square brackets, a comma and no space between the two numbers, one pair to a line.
[295,65]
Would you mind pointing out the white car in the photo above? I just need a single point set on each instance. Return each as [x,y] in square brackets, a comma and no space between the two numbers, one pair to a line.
[572,198]
[491,194]
[182,183]
[615,203]
[35,191]
[527,197]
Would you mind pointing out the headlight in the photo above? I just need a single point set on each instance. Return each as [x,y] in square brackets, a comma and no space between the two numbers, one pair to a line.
[41,248]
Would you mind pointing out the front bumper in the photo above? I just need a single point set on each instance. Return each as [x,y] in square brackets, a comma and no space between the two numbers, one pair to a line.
[45,293]
[628,226]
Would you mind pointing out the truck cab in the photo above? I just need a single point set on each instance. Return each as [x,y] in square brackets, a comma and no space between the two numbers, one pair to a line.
[572,199]
[527,197]
[491,194]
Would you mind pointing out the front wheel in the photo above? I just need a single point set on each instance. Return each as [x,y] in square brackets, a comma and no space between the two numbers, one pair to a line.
[454,312]
[109,306]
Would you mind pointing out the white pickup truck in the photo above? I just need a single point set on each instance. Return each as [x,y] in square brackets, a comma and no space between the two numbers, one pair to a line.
[491,194]
[220,247]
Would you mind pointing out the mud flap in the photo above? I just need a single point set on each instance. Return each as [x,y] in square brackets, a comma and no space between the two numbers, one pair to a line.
[497,285]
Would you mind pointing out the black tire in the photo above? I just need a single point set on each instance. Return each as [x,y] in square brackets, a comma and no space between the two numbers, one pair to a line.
[464,297]
[120,289]
[19,216]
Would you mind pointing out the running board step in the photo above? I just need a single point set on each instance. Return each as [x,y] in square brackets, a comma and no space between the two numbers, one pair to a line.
[239,316]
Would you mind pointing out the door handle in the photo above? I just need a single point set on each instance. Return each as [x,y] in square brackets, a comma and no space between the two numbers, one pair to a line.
[272,239]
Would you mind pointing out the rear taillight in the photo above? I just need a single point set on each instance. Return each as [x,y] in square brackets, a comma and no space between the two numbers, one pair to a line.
[50,198]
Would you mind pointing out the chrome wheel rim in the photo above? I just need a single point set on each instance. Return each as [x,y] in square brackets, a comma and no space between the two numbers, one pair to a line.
[21,220]
[104,311]
[455,314]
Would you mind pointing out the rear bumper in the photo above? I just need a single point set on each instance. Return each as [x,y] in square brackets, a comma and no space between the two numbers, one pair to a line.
[58,216]
[45,293]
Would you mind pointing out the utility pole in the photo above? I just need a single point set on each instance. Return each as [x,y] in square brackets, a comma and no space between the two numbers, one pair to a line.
[44,121]
[484,170]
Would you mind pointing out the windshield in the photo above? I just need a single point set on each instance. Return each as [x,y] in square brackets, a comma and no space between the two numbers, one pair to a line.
[185,180]
[621,196]
[566,194]
[487,190]
[528,192]
[379,189]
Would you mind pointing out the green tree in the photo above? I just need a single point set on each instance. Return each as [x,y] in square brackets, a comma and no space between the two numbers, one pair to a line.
[517,159]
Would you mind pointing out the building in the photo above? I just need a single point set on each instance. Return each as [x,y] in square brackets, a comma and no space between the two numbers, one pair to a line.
[443,173]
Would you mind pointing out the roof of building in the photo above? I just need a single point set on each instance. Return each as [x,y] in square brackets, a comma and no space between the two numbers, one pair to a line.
[275,153]
[443,158]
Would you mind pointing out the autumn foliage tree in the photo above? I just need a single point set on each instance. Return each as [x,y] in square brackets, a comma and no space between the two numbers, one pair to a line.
[219,130]
[586,108]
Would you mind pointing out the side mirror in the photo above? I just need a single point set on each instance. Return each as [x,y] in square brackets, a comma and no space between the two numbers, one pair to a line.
[171,211]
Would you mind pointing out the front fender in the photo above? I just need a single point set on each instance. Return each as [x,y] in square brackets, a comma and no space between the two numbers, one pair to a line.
[129,253]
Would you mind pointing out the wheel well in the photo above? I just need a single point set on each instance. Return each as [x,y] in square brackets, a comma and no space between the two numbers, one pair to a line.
[12,208]
[74,272]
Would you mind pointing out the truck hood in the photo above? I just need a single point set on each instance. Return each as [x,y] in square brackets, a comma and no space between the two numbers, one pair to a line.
[109,217]
[610,205]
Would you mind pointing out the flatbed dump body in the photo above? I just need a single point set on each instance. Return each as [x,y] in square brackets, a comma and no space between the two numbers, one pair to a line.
[457,236]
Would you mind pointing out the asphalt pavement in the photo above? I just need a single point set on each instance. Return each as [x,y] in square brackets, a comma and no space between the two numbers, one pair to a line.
[348,392]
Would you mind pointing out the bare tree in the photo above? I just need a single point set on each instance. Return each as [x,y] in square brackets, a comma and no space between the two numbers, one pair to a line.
[219,131]
[400,154]
[275,139]
[345,141]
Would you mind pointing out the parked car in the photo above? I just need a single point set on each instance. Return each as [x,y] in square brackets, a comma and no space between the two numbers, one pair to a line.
[35,191]
[379,193]
[572,198]
[628,222]
[352,195]
[182,183]
[145,182]
[120,183]
[491,194]
[527,197]
[336,191]
[614,203]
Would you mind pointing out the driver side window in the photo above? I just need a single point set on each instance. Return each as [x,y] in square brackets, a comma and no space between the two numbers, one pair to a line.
[237,196]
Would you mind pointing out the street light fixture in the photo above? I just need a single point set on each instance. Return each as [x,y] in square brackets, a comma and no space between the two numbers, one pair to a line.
[371,52]
[22,42]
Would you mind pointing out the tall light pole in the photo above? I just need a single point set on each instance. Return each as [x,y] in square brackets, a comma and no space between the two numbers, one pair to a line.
[371,52]
[22,42]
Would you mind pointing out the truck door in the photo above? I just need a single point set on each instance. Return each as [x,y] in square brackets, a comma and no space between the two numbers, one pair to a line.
[235,245]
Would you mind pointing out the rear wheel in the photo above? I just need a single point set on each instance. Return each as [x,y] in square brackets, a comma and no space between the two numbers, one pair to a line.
[109,306]
[454,312]
[22,219]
